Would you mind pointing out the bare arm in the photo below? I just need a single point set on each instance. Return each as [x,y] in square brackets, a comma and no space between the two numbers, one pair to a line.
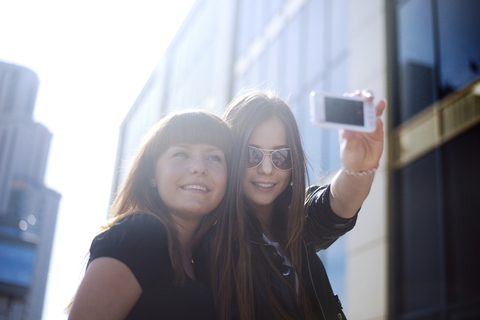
[109,290]
[359,152]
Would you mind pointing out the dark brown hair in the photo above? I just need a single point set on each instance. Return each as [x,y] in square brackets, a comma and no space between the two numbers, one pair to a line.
[136,194]
[233,270]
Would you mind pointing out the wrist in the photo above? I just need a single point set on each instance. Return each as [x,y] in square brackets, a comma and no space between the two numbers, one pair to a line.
[360,173]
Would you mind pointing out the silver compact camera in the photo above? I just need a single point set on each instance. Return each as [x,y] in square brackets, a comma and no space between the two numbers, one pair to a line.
[342,112]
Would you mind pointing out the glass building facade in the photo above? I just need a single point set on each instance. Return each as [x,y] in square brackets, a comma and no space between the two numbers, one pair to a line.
[275,44]
[293,48]
[436,179]
[412,254]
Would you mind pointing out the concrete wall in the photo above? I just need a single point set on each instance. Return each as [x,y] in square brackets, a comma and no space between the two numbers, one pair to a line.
[367,244]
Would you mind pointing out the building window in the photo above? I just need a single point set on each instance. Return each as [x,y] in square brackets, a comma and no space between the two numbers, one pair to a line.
[436,44]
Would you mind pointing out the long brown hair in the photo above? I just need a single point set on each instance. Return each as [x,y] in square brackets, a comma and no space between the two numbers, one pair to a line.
[137,195]
[232,267]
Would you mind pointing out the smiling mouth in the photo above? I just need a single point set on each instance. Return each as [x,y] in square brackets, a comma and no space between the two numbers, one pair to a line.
[195,187]
[263,185]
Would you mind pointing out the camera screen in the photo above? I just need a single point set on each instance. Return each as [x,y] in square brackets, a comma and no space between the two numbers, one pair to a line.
[344,111]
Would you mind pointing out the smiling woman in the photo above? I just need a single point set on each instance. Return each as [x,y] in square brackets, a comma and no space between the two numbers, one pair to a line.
[191,178]
[140,265]
[262,251]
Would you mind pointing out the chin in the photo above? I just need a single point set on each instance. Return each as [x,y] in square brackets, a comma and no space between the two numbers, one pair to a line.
[198,211]
[261,203]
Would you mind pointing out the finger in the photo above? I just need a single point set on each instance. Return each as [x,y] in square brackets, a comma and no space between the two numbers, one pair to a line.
[378,133]
[379,125]
[380,108]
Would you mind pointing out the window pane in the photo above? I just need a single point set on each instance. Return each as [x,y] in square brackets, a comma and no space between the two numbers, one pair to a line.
[269,8]
[416,59]
[311,136]
[418,221]
[334,260]
[249,23]
[459,32]
[291,54]
[16,264]
[462,207]
[339,31]
[315,38]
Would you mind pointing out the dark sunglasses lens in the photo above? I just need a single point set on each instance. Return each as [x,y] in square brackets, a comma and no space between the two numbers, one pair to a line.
[255,156]
[282,159]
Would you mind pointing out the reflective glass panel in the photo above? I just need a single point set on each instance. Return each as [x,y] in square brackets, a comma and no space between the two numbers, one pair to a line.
[416,58]
[459,42]
[315,45]
[16,264]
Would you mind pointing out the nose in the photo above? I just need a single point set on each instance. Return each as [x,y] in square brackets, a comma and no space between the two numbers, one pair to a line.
[266,167]
[198,166]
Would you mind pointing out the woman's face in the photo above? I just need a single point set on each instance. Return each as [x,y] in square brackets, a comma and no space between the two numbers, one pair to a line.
[191,179]
[264,183]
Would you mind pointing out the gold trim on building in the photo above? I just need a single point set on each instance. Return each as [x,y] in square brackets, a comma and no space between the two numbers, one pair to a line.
[436,125]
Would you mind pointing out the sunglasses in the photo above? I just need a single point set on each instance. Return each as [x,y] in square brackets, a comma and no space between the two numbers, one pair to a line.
[280,158]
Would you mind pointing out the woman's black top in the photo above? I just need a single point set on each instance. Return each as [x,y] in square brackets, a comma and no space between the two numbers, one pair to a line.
[140,242]
[323,227]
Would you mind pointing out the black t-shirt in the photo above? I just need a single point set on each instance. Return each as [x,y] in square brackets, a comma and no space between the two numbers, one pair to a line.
[140,242]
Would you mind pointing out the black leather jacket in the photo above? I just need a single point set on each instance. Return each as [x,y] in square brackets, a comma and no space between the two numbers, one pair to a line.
[323,228]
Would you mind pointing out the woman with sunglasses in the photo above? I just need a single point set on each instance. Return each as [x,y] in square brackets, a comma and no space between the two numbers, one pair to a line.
[263,259]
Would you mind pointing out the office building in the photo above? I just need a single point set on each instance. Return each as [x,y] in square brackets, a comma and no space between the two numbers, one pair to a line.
[414,251]
[28,210]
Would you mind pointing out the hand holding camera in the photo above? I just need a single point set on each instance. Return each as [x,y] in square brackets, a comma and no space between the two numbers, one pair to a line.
[359,123]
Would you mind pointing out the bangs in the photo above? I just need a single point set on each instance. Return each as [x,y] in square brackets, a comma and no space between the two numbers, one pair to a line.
[198,127]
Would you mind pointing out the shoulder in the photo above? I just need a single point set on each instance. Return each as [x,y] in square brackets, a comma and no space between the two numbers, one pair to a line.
[139,222]
[317,197]
[135,227]
[314,191]
[139,241]
[134,237]
[134,230]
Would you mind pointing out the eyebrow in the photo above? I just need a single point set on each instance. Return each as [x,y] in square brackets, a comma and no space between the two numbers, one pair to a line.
[189,146]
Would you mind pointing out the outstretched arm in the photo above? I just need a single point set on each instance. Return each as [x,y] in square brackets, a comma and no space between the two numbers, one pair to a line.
[109,290]
[359,152]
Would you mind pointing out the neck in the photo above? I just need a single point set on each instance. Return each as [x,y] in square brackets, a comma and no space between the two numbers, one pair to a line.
[264,214]
[186,231]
